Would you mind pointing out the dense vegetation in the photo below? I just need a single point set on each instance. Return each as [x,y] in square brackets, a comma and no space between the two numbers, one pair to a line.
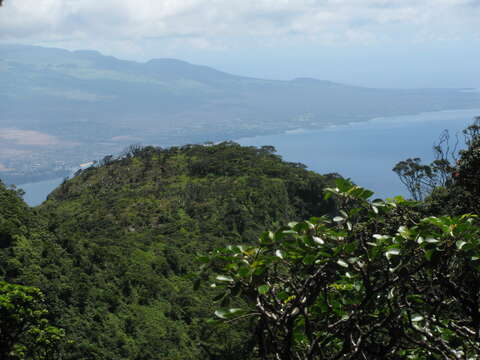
[388,279]
[114,248]
[120,251]
[376,282]
[25,332]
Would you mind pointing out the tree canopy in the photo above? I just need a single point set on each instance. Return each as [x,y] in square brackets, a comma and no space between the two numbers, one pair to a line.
[114,248]
[120,251]
[374,282]
[25,331]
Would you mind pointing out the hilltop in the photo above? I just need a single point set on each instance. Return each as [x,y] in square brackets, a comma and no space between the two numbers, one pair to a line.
[115,247]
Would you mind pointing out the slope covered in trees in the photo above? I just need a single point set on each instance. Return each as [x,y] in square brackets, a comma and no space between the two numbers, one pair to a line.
[26,256]
[120,249]
[115,247]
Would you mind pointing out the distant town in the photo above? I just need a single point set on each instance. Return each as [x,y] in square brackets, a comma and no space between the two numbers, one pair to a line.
[43,165]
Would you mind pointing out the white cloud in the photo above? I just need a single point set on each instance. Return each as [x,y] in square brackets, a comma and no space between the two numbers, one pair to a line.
[27,137]
[126,26]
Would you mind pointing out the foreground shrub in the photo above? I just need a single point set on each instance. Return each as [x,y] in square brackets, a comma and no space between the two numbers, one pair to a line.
[374,282]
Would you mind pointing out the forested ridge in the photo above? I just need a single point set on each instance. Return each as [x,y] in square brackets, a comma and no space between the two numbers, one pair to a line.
[164,254]
[114,248]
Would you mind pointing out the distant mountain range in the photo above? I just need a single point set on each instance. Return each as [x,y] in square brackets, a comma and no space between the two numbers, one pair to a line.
[82,105]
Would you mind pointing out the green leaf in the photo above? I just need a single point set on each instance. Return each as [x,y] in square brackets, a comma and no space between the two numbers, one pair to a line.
[222,314]
[228,313]
[460,244]
[282,295]
[404,232]
[342,263]
[381,237]
[224,278]
[417,318]
[264,238]
[204,259]
[271,235]
[318,240]
[429,254]
[324,254]
[392,252]
[244,271]
[309,259]
[343,185]
[263,289]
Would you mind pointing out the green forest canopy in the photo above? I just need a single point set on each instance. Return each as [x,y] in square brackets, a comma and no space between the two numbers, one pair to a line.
[116,252]
[114,248]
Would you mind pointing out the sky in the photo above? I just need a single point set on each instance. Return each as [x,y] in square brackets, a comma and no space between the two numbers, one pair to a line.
[376,43]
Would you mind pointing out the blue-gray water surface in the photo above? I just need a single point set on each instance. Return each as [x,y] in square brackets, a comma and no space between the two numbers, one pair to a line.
[366,152]
[36,193]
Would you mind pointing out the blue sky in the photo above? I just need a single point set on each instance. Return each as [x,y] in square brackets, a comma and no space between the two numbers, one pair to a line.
[379,43]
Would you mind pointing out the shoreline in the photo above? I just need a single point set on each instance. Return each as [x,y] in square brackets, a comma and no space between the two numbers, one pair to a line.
[294,132]
[380,119]
[7,180]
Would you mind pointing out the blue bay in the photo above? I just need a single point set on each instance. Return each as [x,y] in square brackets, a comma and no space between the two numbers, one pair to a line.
[366,152]
[36,193]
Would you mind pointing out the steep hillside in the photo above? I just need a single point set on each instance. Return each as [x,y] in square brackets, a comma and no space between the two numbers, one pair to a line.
[26,245]
[115,246]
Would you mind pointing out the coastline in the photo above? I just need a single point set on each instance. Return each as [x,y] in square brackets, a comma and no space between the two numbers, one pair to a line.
[386,120]
[19,180]
[367,151]
[372,124]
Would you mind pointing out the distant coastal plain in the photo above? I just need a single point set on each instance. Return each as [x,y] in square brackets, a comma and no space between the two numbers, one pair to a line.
[63,108]
[363,151]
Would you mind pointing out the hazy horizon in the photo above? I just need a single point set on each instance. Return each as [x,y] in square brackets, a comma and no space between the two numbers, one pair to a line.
[256,68]
[373,43]
[374,58]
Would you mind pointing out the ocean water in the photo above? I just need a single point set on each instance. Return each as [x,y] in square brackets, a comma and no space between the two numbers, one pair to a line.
[36,193]
[366,152]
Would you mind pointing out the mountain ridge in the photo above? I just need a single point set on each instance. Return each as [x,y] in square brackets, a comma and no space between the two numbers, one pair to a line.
[91,105]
